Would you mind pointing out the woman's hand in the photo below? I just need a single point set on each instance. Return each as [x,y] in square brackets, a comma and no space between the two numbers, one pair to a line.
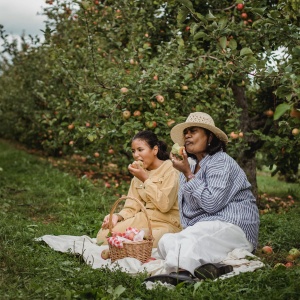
[181,165]
[105,224]
[138,172]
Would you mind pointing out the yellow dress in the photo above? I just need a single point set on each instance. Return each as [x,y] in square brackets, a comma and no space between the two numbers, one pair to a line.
[159,196]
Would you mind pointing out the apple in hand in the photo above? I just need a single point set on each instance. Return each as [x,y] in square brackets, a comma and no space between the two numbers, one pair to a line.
[177,150]
[137,163]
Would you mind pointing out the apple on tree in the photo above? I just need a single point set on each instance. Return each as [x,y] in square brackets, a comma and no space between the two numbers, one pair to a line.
[240,6]
[295,131]
[160,98]
[124,90]
[126,114]
[244,16]
[151,124]
[71,126]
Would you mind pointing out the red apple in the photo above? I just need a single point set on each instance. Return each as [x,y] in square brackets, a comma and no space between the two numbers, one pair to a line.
[244,16]
[151,124]
[137,113]
[240,6]
[96,154]
[170,122]
[87,124]
[155,77]
[71,126]
[234,135]
[111,151]
[289,264]
[160,98]
[124,90]
[267,250]
[269,113]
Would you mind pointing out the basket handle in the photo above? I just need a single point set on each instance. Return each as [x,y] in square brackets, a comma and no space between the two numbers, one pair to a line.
[141,205]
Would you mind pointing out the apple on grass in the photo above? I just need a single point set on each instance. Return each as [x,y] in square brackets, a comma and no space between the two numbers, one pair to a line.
[294,252]
[267,250]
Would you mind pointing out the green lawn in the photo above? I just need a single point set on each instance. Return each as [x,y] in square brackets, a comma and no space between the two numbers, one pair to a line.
[37,198]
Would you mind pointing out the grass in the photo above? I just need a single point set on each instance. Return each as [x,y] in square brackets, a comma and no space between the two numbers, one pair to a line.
[37,198]
[275,187]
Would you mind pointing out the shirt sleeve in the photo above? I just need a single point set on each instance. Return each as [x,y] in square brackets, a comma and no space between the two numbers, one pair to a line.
[209,191]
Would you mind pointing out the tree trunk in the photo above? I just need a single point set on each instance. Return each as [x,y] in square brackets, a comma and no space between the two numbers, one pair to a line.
[246,159]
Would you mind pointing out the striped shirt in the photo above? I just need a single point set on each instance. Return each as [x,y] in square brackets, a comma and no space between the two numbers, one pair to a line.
[220,191]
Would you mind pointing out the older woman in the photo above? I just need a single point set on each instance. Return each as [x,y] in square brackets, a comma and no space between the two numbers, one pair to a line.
[218,211]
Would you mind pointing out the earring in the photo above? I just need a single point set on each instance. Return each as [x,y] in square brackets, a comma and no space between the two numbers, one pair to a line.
[208,144]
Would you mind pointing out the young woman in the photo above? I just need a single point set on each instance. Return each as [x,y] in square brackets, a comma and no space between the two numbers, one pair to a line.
[155,183]
[218,211]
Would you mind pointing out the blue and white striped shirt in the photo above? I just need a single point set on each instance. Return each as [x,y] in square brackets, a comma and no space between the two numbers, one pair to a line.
[220,191]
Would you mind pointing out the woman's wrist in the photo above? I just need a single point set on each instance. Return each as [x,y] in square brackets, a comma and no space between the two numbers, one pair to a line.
[189,176]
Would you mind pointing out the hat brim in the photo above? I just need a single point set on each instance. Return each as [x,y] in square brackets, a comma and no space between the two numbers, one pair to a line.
[177,131]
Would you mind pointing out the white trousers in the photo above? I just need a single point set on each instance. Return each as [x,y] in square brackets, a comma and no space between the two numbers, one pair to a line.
[204,242]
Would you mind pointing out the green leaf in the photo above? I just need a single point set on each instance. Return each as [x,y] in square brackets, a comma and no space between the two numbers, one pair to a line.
[187,3]
[182,14]
[232,44]
[210,16]
[85,4]
[223,23]
[92,137]
[201,17]
[223,42]
[246,51]
[118,291]
[280,110]
[199,35]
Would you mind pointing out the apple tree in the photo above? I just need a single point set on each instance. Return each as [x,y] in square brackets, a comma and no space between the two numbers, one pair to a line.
[108,69]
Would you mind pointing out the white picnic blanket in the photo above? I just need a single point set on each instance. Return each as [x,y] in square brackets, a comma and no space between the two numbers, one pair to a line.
[91,253]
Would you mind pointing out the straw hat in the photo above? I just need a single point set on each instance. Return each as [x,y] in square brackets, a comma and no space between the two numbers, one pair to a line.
[199,119]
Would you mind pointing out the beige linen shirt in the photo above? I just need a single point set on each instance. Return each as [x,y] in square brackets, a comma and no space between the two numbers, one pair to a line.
[159,194]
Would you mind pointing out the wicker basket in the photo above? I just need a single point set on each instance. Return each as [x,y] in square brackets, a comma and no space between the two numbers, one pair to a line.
[140,250]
